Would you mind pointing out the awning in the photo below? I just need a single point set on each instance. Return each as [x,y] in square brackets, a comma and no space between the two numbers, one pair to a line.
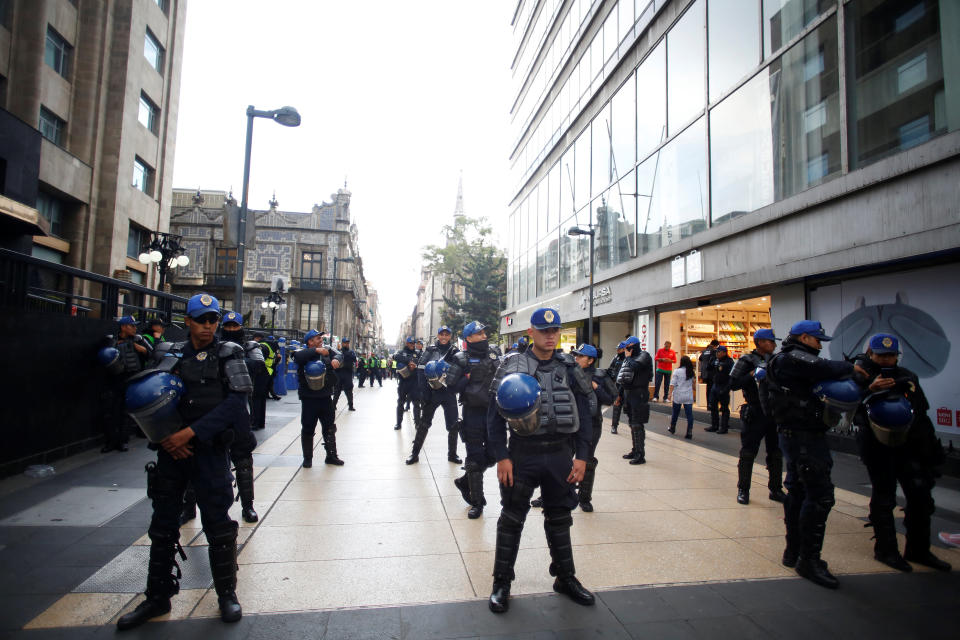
[16,217]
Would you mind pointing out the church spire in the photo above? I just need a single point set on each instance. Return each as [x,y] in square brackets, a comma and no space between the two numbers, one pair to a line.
[458,210]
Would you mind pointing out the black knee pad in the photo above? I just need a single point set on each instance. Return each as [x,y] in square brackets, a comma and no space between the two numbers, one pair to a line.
[222,533]
[824,503]
[470,467]
[515,501]
[557,518]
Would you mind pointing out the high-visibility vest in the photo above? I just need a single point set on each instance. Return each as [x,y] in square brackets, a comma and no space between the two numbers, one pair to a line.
[269,359]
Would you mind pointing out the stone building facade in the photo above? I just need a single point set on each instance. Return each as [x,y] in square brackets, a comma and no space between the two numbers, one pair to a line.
[299,248]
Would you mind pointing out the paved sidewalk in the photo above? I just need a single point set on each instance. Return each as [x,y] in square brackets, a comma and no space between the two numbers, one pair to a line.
[381,549]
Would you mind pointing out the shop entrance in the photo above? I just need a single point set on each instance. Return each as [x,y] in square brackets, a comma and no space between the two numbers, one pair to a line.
[732,323]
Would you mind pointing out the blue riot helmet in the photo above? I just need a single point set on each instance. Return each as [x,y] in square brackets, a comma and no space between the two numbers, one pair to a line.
[760,373]
[436,372]
[839,397]
[152,398]
[315,372]
[890,418]
[518,400]
[109,357]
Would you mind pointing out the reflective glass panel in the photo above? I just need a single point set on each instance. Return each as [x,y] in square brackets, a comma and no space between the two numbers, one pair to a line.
[568,254]
[897,94]
[566,184]
[686,65]
[601,151]
[734,42]
[523,279]
[652,101]
[623,118]
[553,201]
[784,19]
[615,216]
[581,180]
[673,190]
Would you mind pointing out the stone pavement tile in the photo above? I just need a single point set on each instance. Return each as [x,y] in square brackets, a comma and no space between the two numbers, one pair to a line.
[523,635]
[685,480]
[638,605]
[23,557]
[753,596]
[456,508]
[843,552]
[790,624]
[607,498]
[212,629]
[639,526]
[85,555]
[344,541]
[727,627]
[62,536]
[287,513]
[465,619]
[18,609]
[113,535]
[287,625]
[136,516]
[739,523]
[481,534]
[531,570]
[666,630]
[81,610]
[61,633]
[77,506]
[47,580]
[699,498]
[364,624]
[615,632]
[304,487]
[696,601]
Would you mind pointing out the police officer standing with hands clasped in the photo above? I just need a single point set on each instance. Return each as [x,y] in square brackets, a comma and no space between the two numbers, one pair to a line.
[316,379]
[406,362]
[434,394]
[192,405]
[542,399]
[633,382]
[808,395]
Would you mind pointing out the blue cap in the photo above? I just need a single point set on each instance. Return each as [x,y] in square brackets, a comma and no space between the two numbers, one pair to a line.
[127,320]
[884,343]
[344,339]
[620,345]
[722,348]
[442,329]
[410,340]
[270,338]
[764,334]
[474,327]
[514,345]
[545,318]
[232,316]
[202,303]
[586,350]
[310,334]
[632,340]
[811,328]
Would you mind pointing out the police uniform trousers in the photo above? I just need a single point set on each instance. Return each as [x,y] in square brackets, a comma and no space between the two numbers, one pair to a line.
[585,487]
[432,399]
[258,400]
[719,402]
[807,458]
[208,470]
[378,374]
[115,428]
[346,387]
[313,410]
[545,464]
[639,415]
[758,428]
[473,432]
[362,376]
[887,466]
[408,392]
[241,456]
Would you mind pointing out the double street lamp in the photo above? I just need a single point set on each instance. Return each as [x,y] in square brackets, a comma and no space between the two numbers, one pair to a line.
[589,231]
[288,117]
[333,288]
[273,302]
[166,252]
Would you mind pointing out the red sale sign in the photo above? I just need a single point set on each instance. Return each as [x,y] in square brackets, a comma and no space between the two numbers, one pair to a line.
[945,417]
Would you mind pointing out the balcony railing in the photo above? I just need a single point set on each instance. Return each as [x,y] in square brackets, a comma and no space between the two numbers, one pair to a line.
[219,279]
[325,284]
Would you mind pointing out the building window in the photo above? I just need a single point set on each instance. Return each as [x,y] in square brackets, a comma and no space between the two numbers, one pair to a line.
[162,4]
[143,176]
[149,113]
[309,315]
[686,65]
[51,208]
[226,261]
[137,240]
[58,52]
[311,265]
[153,52]
[897,93]
[783,20]
[734,42]
[51,127]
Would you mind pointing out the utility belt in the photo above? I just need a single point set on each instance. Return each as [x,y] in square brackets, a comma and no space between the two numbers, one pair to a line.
[520,446]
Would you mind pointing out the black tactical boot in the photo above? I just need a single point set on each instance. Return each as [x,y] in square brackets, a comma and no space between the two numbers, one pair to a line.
[146,610]
[463,486]
[162,583]
[306,444]
[724,423]
[813,527]
[585,490]
[815,570]
[331,448]
[775,470]
[791,518]
[452,447]
[509,529]
[418,439]
[399,419]
[714,422]
[639,436]
[475,486]
[885,535]
[500,595]
[917,548]
[744,476]
[927,559]
[244,473]
[556,525]
[222,550]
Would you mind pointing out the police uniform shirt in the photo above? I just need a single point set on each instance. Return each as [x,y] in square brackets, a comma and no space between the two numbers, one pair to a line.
[225,415]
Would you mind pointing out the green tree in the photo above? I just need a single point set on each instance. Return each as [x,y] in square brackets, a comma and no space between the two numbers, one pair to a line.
[475,271]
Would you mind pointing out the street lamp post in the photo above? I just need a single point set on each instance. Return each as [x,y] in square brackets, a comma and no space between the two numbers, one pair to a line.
[166,252]
[273,302]
[288,117]
[333,288]
[589,231]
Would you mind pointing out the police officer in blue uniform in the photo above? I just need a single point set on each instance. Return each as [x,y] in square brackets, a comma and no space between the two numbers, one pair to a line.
[719,395]
[316,396]
[633,382]
[213,410]
[898,444]
[604,392]
[613,369]
[471,375]
[757,425]
[805,398]
[345,374]
[434,393]
[407,386]
[542,399]
[124,355]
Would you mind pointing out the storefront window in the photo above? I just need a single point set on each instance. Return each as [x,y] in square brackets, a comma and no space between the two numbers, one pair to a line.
[897,94]
[672,187]
[686,62]
[652,101]
[734,42]
[783,20]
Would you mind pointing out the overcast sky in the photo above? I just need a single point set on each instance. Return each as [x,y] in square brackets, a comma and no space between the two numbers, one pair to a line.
[396,97]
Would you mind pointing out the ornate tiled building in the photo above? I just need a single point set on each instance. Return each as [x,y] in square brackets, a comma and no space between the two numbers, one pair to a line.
[299,250]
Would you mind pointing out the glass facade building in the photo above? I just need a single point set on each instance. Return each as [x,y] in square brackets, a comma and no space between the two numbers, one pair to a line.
[657,120]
